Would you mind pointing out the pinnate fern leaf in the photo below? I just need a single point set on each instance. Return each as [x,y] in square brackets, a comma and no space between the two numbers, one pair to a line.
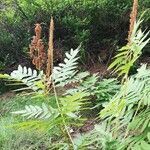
[66,70]
[135,91]
[43,112]
[71,104]
[29,77]
[128,54]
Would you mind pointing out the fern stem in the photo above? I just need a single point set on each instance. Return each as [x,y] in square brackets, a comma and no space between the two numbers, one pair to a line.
[63,119]
[139,104]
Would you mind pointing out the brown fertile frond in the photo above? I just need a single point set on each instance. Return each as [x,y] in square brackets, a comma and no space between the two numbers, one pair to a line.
[50,49]
[41,55]
[133,17]
[37,50]
[38,30]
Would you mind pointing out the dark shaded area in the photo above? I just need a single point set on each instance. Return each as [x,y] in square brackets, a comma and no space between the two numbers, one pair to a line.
[99,25]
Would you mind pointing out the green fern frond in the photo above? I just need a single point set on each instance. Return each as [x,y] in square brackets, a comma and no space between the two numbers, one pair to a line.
[37,112]
[99,138]
[140,141]
[79,77]
[128,54]
[86,85]
[134,92]
[29,77]
[106,88]
[141,122]
[66,70]
[71,104]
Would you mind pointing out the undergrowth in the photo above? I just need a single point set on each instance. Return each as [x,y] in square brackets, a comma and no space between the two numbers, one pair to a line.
[50,111]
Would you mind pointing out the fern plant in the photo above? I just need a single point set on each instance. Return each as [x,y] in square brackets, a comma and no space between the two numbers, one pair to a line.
[86,85]
[129,108]
[36,81]
[62,117]
[102,90]
[29,77]
[133,93]
[99,138]
[128,54]
[70,106]
[67,107]
[26,76]
[141,126]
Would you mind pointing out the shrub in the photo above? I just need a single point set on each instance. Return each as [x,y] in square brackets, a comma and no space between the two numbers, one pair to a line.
[96,24]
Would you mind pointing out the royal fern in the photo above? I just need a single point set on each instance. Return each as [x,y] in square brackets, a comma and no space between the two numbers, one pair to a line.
[72,104]
[135,91]
[62,74]
[128,54]
[86,85]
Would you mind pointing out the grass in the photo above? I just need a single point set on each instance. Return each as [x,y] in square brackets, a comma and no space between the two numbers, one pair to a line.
[12,138]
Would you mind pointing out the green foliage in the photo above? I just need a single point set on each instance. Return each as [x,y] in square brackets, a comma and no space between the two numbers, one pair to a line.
[95,23]
[29,77]
[66,70]
[67,107]
[133,93]
[99,138]
[141,121]
[72,104]
[86,85]
[105,90]
[124,121]
[129,108]
[13,136]
[141,125]
[62,74]
[131,52]
[38,112]
[11,139]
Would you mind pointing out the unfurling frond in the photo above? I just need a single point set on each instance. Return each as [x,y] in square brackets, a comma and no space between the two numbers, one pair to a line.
[28,76]
[43,112]
[66,70]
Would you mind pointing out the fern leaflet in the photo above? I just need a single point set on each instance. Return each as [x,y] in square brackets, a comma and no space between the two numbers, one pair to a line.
[37,112]
[66,70]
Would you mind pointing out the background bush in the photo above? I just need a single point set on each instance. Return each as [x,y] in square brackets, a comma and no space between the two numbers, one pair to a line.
[98,24]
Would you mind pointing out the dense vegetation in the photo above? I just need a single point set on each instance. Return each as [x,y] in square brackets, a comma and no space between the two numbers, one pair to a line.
[101,25]
[61,106]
